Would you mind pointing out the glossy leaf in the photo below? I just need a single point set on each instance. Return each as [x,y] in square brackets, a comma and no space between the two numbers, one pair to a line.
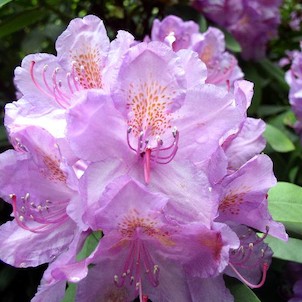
[231,42]
[290,250]
[3,2]
[274,72]
[19,21]
[240,291]
[278,140]
[285,202]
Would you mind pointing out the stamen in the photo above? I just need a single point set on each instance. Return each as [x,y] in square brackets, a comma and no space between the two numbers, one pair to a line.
[262,281]
[35,215]
[138,261]
[75,79]
[153,154]
[55,92]
[147,158]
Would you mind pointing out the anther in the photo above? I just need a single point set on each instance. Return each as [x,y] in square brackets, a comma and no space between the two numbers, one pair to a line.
[155,269]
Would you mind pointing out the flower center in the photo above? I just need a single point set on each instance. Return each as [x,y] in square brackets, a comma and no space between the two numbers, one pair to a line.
[149,119]
[139,263]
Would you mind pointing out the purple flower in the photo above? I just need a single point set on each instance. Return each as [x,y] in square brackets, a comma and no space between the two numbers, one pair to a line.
[250,22]
[156,119]
[295,20]
[174,31]
[144,251]
[222,67]
[294,79]
[297,292]
[38,185]
[48,84]
[86,59]
[244,196]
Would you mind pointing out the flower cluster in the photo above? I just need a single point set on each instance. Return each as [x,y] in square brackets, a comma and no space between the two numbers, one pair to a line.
[149,143]
[294,79]
[250,22]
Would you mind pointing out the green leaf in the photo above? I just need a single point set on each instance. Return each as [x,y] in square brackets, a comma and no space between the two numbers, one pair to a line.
[203,25]
[294,229]
[21,20]
[3,136]
[274,72]
[285,202]
[267,110]
[290,250]
[3,2]
[70,293]
[231,42]
[252,75]
[240,291]
[278,140]
[90,244]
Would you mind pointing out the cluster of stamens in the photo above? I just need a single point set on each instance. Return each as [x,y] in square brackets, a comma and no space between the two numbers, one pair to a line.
[244,256]
[55,88]
[159,154]
[138,262]
[36,217]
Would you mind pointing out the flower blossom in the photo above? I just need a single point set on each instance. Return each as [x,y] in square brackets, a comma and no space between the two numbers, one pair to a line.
[294,79]
[222,67]
[85,59]
[250,22]
[41,228]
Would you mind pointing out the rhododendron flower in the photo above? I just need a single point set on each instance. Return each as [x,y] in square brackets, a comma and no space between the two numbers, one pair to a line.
[294,79]
[140,239]
[244,196]
[159,131]
[222,67]
[39,186]
[85,60]
[250,22]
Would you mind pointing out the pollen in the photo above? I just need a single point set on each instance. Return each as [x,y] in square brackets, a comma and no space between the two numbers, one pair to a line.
[88,68]
[148,104]
[132,223]
[233,200]
[53,171]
